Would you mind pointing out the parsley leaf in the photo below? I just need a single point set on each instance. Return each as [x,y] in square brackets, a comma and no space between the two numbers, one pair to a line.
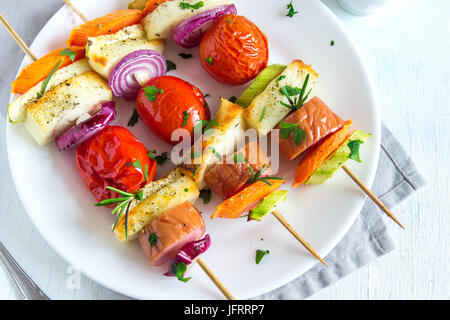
[67,52]
[260,254]
[134,118]
[185,55]
[354,148]
[171,66]
[289,92]
[205,125]
[198,5]
[146,173]
[179,269]
[159,159]
[299,135]
[209,60]
[205,194]
[153,239]
[136,164]
[185,118]
[291,10]
[239,158]
[332,43]
[232,99]
[150,93]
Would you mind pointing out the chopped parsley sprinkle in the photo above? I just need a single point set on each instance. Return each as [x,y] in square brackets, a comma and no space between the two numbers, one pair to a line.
[205,194]
[185,55]
[262,114]
[185,118]
[354,148]
[291,10]
[332,43]
[198,5]
[171,66]
[260,254]
[209,60]
[153,239]
[136,164]
[150,92]
[146,172]
[239,158]
[159,159]
[134,118]
[281,78]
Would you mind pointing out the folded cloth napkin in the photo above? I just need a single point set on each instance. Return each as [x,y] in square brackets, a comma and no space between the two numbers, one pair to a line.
[396,178]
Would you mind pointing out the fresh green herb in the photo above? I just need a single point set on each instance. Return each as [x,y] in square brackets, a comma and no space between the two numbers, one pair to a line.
[47,80]
[257,176]
[205,125]
[239,158]
[171,65]
[134,118]
[196,170]
[185,118]
[185,55]
[354,148]
[209,60]
[232,99]
[281,78]
[150,92]
[207,95]
[179,269]
[291,10]
[67,52]
[262,114]
[123,204]
[260,254]
[332,43]
[289,92]
[153,239]
[159,159]
[136,164]
[205,194]
[299,135]
[218,155]
[198,5]
[146,173]
[186,190]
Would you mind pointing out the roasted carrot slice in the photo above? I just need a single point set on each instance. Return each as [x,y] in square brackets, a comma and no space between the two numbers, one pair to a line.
[111,23]
[243,201]
[152,5]
[40,69]
[320,153]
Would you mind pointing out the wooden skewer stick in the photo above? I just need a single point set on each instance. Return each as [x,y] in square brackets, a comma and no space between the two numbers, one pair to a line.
[215,280]
[17,38]
[372,195]
[297,236]
[76,11]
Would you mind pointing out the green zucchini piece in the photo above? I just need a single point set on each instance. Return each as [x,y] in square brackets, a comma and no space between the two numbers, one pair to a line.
[267,205]
[259,84]
[337,160]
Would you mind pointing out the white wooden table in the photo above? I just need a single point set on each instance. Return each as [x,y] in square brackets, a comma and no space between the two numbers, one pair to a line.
[407,47]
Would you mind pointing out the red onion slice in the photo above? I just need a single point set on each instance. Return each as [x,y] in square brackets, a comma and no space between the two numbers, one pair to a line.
[188,253]
[88,128]
[134,70]
[189,33]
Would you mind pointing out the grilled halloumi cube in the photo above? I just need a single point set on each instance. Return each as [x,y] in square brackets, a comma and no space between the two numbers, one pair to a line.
[160,23]
[61,107]
[104,52]
[269,100]
[222,141]
[159,196]
[17,110]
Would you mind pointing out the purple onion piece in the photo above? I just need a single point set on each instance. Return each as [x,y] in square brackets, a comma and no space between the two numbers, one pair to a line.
[189,33]
[188,253]
[134,70]
[88,128]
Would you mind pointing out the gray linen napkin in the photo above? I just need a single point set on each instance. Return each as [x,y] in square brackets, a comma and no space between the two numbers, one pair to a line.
[396,178]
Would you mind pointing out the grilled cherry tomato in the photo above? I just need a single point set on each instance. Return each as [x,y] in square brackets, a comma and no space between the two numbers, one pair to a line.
[110,158]
[168,103]
[234,50]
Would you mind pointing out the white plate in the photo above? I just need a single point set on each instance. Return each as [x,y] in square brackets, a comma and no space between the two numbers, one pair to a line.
[62,209]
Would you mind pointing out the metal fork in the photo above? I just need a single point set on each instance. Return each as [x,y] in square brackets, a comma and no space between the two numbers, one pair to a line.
[28,289]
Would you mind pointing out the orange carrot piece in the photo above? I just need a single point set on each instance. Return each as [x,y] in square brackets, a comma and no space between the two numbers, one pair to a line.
[241,202]
[152,5]
[109,24]
[320,153]
[40,69]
